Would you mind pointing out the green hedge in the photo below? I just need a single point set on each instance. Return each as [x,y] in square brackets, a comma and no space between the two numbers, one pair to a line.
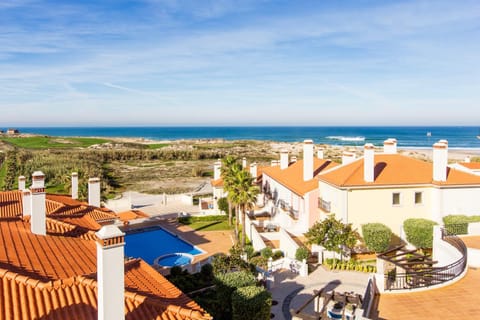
[377,236]
[336,264]
[251,303]
[226,284]
[458,223]
[419,232]
[192,219]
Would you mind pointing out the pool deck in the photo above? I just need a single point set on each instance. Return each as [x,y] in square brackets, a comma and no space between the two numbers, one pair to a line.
[211,242]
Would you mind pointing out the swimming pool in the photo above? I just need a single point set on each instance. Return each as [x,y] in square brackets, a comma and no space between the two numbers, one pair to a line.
[153,242]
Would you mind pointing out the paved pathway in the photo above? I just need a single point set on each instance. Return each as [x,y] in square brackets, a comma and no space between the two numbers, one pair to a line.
[291,291]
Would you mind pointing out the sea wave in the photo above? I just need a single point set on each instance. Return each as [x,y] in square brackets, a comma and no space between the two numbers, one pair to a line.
[343,138]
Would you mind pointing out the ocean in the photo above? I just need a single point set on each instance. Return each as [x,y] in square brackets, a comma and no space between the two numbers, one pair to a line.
[411,137]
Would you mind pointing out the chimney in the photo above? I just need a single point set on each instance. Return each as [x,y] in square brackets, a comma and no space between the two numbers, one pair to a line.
[21,183]
[440,161]
[94,192]
[348,157]
[274,163]
[253,170]
[467,159]
[74,185]
[320,153]
[369,163]
[244,163]
[110,273]
[217,169]
[283,159]
[307,160]
[37,204]
[390,146]
[293,159]
[27,202]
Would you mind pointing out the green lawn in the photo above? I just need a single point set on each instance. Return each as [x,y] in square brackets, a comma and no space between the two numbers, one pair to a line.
[3,173]
[210,225]
[51,142]
[157,145]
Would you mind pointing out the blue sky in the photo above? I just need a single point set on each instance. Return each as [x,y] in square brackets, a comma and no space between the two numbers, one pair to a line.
[254,62]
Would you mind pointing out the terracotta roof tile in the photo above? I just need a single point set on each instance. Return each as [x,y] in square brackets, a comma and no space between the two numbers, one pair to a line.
[395,169]
[292,177]
[131,215]
[471,165]
[11,204]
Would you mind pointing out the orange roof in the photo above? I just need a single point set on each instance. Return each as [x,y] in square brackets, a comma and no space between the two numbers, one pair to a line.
[131,215]
[54,277]
[292,177]
[395,169]
[471,165]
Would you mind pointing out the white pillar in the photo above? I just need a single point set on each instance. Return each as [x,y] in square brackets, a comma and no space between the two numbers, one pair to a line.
[217,170]
[307,160]
[467,159]
[348,157]
[27,203]
[21,183]
[283,159]
[253,170]
[440,161]
[293,159]
[390,146]
[320,153]
[369,163]
[94,192]
[37,204]
[110,273]
[244,163]
[74,185]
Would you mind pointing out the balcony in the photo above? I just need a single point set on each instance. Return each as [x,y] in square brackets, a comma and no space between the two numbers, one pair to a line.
[288,209]
[324,205]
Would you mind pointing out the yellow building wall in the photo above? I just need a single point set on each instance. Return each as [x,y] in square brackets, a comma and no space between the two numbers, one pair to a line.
[375,205]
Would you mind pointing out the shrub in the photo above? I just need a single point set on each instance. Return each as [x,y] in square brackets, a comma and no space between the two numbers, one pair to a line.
[249,251]
[419,232]
[377,236]
[223,204]
[207,271]
[266,252]
[251,303]
[227,283]
[259,261]
[458,224]
[277,255]
[301,253]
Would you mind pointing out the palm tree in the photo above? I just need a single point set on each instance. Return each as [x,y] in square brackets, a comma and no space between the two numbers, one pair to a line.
[243,195]
[230,167]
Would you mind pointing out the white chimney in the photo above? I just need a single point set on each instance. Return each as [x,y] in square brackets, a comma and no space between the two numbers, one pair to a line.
[390,146]
[369,163]
[440,161]
[110,273]
[37,204]
[283,159]
[27,202]
[467,159]
[307,160]
[320,153]
[217,170]
[253,170]
[244,163]
[74,185]
[348,157]
[94,192]
[21,183]
[293,159]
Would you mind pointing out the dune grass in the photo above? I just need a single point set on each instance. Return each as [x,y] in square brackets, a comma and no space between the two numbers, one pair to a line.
[51,142]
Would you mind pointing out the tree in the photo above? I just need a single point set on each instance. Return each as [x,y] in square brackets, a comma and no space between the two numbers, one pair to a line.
[332,234]
[223,204]
[244,195]
[377,236]
[251,303]
[229,169]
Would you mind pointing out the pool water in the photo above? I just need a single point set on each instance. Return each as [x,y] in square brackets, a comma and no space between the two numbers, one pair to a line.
[154,242]
[175,259]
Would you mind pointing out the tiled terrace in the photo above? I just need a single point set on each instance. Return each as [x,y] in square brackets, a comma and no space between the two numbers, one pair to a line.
[460,300]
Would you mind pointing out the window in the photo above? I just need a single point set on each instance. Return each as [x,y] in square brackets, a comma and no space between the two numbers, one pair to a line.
[396,199]
[418,198]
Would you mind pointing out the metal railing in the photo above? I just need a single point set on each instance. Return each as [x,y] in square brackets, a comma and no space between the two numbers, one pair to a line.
[429,276]
[324,205]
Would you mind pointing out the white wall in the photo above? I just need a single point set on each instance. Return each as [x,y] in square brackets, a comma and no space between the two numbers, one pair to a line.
[460,201]
[287,244]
